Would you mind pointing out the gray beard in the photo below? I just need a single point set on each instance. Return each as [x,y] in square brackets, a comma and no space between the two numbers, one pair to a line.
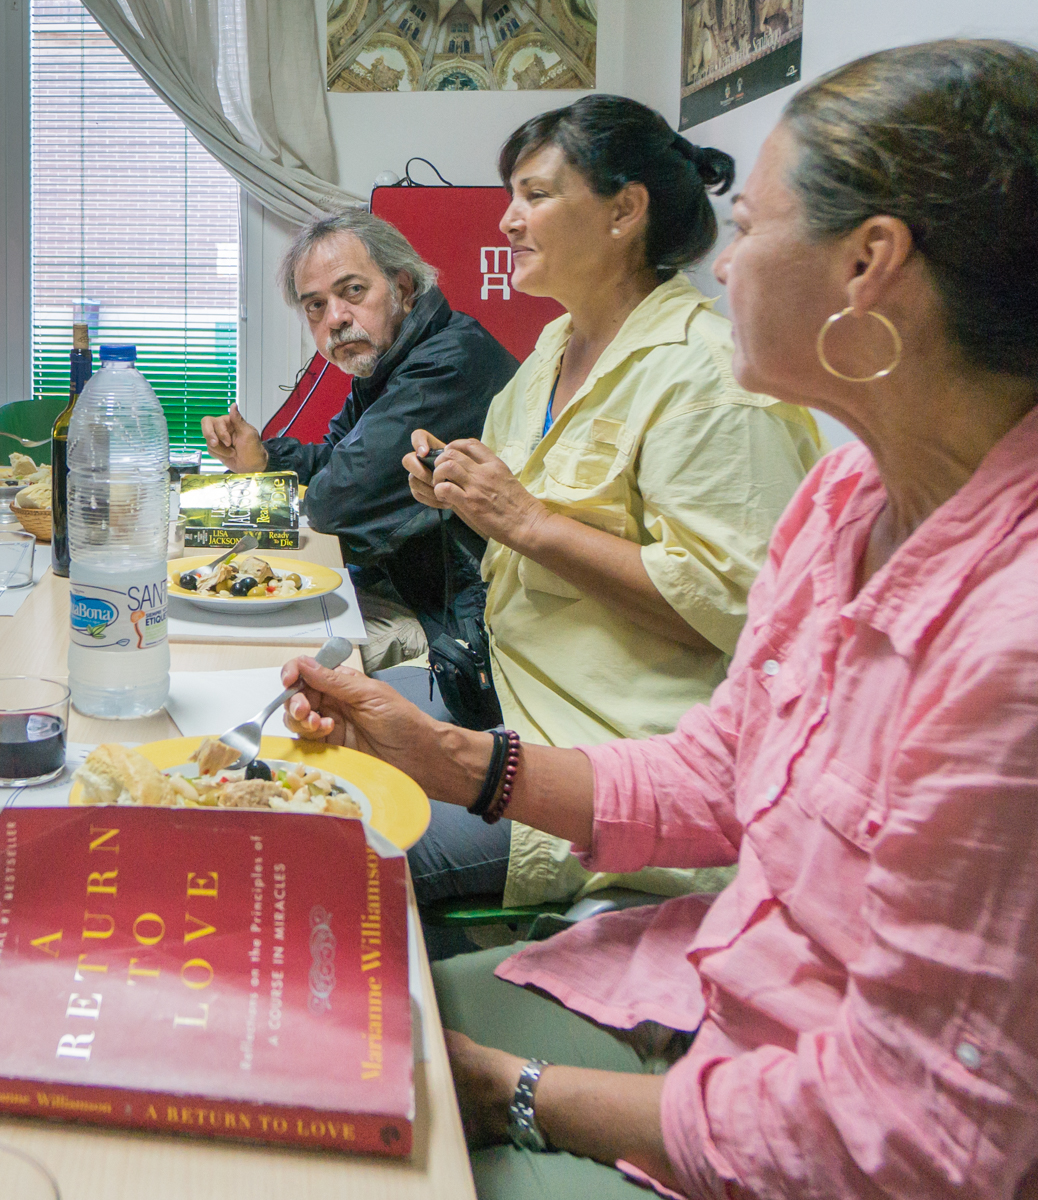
[362,368]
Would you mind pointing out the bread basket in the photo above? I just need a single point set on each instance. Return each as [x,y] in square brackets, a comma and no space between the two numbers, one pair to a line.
[34,520]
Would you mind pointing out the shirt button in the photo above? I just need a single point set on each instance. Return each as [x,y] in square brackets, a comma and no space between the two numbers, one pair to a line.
[771,667]
[968,1055]
[772,792]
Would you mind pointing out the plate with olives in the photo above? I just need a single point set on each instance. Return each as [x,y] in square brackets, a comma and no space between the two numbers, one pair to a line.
[254,581]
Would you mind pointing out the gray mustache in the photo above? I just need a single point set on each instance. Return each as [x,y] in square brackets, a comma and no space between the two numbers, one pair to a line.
[344,337]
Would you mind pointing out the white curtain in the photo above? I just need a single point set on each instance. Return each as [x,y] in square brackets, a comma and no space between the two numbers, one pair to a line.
[245,77]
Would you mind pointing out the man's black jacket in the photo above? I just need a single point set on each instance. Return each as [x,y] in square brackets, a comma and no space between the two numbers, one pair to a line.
[440,374]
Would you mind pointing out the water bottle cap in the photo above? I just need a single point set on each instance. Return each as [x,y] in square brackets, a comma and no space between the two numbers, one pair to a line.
[119,353]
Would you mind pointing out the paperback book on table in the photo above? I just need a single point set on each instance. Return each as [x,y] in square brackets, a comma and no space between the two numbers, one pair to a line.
[232,974]
[220,509]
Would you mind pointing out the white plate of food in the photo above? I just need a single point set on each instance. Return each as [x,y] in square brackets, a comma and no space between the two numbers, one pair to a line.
[257,580]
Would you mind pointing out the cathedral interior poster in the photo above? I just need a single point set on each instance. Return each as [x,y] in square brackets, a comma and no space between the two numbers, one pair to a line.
[461,45]
[735,51]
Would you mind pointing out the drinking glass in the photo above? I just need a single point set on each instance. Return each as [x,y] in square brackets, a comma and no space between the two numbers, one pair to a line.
[177,531]
[33,729]
[16,554]
[185,462]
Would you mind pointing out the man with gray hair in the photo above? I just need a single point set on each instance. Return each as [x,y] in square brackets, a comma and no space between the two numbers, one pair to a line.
[376,313]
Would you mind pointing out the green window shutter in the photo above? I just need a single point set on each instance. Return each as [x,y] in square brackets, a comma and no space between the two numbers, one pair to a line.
[128,210]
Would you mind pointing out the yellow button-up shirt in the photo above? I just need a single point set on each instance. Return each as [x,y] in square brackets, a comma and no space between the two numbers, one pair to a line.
[662,447]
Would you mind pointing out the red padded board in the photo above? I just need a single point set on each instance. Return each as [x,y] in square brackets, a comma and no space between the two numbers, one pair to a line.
[456,230]
[315,400]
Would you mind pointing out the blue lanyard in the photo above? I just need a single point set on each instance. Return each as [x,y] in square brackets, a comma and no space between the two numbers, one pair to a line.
[549,420]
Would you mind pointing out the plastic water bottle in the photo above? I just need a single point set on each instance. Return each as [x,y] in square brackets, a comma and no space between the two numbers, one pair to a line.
[118,501]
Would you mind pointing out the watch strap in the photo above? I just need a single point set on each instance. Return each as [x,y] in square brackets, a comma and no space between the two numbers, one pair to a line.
[523,1129]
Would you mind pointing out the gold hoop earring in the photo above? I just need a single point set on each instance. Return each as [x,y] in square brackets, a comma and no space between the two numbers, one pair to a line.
[887,324]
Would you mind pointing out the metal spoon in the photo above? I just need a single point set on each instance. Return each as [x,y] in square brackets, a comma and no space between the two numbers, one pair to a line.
[28,443]
[246,738]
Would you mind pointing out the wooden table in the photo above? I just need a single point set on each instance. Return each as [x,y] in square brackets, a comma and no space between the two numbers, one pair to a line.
[98,1164]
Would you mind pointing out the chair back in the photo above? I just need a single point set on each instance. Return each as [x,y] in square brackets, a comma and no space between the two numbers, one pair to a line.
[32,419]
[317,398]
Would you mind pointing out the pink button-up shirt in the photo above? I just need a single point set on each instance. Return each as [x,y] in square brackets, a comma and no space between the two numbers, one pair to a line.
[868,984]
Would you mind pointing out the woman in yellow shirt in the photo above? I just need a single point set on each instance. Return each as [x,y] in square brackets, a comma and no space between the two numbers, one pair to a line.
[626,483]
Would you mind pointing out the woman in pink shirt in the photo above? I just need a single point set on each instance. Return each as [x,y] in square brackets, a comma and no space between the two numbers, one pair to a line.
[863,995]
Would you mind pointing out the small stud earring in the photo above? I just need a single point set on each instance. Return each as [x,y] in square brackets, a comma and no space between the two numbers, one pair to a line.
[616,233]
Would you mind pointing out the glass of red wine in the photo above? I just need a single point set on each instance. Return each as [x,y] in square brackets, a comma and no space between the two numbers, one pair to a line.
[33,724]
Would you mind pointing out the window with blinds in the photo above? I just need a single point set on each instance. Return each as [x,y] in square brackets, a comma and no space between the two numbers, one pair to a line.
[129,211]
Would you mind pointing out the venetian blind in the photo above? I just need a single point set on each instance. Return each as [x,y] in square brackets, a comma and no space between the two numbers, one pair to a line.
[129,211]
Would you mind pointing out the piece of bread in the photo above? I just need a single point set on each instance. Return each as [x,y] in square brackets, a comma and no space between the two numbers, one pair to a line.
[114,775]
[37,495]
[23,465]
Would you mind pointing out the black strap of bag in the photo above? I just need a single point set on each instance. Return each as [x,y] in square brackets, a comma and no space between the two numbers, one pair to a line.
[460,661]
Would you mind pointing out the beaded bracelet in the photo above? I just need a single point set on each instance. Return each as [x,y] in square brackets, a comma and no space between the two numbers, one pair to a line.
[496,810]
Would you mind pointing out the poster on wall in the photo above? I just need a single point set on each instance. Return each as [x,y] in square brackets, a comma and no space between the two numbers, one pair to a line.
[461,45]
[734,51]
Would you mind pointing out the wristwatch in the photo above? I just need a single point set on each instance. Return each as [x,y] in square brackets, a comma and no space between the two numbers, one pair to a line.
[522,1124]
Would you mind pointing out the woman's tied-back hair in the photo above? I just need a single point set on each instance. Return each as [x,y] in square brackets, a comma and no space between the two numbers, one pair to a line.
[389,250]
[613,141]
[943,136]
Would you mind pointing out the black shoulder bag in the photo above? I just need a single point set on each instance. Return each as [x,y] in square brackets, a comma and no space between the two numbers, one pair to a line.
[459,658]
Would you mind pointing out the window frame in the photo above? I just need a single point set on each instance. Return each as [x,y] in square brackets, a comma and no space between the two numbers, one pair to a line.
[272,345]
[15,249]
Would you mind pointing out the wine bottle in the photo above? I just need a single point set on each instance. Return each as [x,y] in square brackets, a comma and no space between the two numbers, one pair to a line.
[80,370]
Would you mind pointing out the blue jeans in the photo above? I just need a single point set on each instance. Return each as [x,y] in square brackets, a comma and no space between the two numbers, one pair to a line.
[459,855]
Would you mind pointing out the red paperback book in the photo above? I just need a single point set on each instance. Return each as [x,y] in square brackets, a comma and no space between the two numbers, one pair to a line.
[234,974]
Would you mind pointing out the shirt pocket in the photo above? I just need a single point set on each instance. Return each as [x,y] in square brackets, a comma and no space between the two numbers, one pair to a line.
[587,481]
[850,805]
[595,460]
[836,825]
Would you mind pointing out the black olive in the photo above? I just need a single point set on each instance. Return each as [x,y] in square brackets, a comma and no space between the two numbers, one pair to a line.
[258,769]
[189,582]
[242,587]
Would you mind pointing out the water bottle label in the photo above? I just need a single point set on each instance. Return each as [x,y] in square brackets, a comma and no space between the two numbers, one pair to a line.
[113,618]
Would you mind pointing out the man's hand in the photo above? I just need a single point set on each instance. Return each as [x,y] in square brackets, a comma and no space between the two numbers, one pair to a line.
[235,442]
[474,483]
[485,1081]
